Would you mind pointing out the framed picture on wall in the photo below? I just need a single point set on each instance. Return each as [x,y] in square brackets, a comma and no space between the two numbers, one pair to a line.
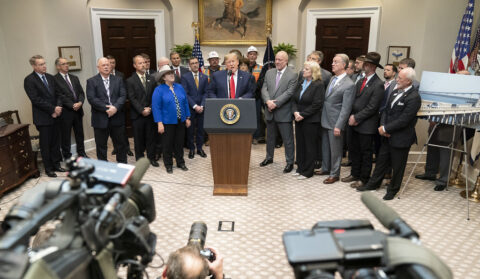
[397,53]
[234,22]
[72,54]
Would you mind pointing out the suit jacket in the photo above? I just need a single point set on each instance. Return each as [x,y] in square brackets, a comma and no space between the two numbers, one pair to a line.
[195,96]
[218,86]
[98,99]
[66,95]
[366,105]
[338,104]
[399,121]
[282,95]
[183,70]
[140,97]
[43,100]
[311,103]
[119,74]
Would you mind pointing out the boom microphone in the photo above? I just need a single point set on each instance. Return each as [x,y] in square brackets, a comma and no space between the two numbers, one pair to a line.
[140,168]
[388,217]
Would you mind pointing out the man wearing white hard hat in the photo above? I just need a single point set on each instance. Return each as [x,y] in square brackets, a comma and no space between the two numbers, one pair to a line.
[214,64]
[255,69]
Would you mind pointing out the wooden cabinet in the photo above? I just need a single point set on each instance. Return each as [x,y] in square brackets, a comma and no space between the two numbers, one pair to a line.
[17,160]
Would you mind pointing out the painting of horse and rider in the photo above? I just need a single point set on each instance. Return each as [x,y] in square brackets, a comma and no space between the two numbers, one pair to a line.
[234,22]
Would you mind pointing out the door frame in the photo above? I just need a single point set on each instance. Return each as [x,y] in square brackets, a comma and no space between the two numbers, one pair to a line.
[362,12]
[157,15]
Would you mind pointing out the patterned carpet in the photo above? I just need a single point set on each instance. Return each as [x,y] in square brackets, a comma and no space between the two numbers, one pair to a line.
[277,202]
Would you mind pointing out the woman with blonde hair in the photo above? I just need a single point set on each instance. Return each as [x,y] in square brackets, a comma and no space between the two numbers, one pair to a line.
[307,110]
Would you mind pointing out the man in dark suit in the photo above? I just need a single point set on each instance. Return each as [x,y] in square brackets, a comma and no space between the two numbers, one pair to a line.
[277,91]
[397,127]
[46,110]
[140,88]
[178,70]
[114,72]
[72,97]
[231,83]
[195,84]
[146,57]
[338,102]
[363,121]
[106,94]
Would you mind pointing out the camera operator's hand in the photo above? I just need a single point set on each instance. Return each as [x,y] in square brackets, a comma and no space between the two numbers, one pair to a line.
[216,267]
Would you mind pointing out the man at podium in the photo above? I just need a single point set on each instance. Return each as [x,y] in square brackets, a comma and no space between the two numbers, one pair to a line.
[231,83]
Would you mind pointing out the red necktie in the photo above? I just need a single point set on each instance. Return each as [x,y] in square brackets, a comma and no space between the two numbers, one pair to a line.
[177,72]
[363,84]
[232,88]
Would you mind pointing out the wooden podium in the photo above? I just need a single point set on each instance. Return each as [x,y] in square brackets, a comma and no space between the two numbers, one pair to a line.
[230,124]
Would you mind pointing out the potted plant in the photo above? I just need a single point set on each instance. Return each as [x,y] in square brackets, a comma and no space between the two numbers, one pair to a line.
[185,51]
[288,48]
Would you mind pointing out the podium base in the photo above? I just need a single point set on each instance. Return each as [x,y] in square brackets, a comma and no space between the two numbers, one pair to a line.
[230,190]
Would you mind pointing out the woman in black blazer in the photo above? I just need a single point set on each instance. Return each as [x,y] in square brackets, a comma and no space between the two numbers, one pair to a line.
[307,110]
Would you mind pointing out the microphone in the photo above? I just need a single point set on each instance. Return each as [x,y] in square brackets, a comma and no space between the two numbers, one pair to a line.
[388,217]
[140,168]
[229,72]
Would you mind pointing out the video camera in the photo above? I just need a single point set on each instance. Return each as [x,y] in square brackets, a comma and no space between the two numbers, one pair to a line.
[355,250]
[101,217]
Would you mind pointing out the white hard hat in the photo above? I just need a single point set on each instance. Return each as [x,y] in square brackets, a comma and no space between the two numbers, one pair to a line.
[252,48]
[213,54]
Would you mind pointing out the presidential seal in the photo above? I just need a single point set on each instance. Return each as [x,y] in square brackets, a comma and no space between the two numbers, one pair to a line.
[230,114]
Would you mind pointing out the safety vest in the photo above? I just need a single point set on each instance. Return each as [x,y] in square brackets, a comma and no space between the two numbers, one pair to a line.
[208,72]
[256,71]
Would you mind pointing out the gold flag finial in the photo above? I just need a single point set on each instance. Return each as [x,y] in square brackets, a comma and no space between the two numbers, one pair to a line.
[195,26]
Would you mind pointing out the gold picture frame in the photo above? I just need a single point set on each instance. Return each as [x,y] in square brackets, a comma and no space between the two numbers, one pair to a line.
[220,24]
[73,56]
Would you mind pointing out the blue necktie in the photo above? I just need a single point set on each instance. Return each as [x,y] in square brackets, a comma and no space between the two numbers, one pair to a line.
[44,79]
[332,84]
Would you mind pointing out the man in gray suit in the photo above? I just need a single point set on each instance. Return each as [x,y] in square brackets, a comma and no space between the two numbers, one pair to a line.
[277,91]
[338,102]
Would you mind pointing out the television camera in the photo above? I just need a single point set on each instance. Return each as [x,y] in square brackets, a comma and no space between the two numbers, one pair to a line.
[100,217]
[355,250]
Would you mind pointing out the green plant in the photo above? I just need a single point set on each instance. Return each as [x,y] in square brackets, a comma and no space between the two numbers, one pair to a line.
[288,48]
[185,50]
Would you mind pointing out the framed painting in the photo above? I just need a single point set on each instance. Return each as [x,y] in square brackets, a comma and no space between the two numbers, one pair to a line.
[397,53]
[72,54]
[234,22]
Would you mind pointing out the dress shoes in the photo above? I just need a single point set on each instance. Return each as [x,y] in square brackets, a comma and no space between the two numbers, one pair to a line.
[389,196]
[51,174]
[261,140]
[154,163]
[169,169]
[425,176]
[440,187]
[349,178]
[59,169]
[366,187]
[346,164]
[278,145]
[183,167]
[129,153]
[191,154]
[266,162]
[321,172]
[357,184]
[202,153]
[331,180]
[288,168]
[317,165]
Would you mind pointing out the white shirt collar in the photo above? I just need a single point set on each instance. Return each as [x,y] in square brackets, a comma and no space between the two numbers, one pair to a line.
[283,70]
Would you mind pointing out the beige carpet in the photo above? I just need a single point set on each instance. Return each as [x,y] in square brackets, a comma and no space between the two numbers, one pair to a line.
[277,202]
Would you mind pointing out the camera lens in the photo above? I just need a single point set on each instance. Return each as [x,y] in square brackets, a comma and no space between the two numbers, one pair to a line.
[198,234]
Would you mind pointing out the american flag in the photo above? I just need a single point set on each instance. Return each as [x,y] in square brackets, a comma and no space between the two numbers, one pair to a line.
[198,53]
[461,50]
[475,63]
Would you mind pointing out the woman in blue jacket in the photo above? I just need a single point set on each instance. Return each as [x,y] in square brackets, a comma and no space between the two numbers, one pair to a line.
[172,115]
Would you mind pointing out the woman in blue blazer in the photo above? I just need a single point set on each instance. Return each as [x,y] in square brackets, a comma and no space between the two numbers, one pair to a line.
[172,115]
